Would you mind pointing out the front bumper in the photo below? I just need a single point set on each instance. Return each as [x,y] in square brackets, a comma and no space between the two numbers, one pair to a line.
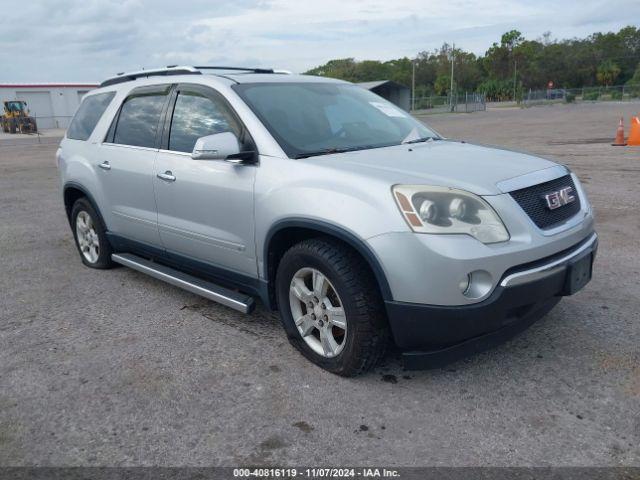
[435,335]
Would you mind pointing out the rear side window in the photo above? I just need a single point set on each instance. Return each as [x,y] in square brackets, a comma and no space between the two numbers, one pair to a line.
[87,116]
[139,118]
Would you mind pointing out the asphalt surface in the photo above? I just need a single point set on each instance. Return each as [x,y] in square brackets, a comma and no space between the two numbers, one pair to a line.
[115,368]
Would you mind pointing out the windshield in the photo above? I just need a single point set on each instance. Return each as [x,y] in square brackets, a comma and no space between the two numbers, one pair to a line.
[14,106]
[318,118]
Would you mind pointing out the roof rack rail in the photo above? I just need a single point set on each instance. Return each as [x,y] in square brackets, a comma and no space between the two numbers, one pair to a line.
[181,70]
[170,70]
[251,70]
[238,69]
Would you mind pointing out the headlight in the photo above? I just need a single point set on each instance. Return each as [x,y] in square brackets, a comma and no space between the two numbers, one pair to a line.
[442,210]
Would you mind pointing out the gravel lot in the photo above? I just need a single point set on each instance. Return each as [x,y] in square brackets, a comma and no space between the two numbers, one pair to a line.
[115,368]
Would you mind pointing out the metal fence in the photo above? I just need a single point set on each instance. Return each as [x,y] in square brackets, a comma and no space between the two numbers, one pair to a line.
[470,102]
[55,121]
[586,94]
[462,102]
[50,129]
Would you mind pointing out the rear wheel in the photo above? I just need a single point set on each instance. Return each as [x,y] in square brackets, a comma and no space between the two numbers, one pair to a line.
[330,307]
[89,233]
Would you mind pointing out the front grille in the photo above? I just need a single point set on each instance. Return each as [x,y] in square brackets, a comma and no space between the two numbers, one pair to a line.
[532,201]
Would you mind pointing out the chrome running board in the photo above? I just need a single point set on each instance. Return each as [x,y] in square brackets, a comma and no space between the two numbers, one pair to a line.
[230,298]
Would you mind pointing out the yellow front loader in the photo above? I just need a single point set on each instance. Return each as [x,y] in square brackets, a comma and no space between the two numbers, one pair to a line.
[16,118]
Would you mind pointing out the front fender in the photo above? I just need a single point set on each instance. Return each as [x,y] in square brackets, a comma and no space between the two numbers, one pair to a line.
[335,231]
[343,204]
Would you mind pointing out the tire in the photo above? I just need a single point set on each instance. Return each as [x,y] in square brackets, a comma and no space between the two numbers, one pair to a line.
[90,237]
[12,126]
[349,284]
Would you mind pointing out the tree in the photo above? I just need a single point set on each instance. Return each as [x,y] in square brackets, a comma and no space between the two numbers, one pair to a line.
[511,39]
[607,73]
[442,84]
[343,68]
[635,80]
[601,58]
[466,74]
[399,71]
[525,55]
[633,84]
[496,90]
[370,70]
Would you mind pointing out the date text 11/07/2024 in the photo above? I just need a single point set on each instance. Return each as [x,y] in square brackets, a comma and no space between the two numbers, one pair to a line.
[315,473]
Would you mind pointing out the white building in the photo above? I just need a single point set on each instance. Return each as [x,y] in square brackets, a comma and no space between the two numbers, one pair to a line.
[53,104]
[392,91]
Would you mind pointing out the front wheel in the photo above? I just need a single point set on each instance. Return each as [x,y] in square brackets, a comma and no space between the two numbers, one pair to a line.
[330,307]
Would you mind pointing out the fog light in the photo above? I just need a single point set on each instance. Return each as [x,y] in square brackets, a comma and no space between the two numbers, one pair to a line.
[464,284]
[479,284]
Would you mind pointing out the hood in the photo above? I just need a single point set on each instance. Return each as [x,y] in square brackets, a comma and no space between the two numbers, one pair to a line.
[446,163]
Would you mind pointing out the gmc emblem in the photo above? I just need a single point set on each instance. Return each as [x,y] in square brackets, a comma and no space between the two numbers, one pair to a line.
[559,198]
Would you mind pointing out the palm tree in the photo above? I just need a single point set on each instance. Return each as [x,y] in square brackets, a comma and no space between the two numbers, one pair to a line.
[607,73]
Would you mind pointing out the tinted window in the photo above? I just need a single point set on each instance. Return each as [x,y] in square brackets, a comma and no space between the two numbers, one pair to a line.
[138,121]
[87,116]
[314,118]
[196,116]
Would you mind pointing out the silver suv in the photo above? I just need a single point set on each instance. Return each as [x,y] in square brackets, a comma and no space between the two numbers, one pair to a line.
[359,224]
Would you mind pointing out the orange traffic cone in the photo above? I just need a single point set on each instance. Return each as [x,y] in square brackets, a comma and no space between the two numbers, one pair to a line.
[634,132]
[619,141]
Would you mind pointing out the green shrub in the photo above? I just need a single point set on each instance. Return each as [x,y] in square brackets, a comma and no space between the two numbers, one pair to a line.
[569,98]
[593,96]
[632,89]
[633,85]
[616,95]
[496,90]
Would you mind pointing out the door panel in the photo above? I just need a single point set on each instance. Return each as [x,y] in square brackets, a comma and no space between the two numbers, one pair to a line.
[128,189]
[205,207]
[126,164]
[207,212]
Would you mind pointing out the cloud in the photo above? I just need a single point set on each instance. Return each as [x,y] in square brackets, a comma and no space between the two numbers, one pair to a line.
[87,40]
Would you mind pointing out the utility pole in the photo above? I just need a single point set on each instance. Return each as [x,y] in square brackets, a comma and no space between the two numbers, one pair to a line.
[515,73]
[453,49]
[413,86]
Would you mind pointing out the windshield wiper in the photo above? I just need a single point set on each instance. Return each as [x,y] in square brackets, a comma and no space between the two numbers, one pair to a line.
[329,151]
[420,140]
[326,151]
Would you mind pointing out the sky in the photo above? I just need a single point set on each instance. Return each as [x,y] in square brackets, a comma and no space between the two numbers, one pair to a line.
[89,40]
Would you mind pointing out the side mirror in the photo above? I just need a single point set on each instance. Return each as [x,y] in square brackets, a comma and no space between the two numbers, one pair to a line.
[220,146]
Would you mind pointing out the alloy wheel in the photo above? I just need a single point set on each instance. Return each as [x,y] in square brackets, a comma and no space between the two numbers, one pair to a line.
[87,236]
[318,312]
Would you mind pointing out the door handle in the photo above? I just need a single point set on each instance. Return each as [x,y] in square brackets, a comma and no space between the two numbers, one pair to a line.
[167,176]
[105,165]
